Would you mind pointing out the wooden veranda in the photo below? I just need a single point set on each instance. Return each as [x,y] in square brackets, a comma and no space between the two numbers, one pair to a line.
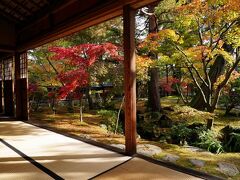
[26,24]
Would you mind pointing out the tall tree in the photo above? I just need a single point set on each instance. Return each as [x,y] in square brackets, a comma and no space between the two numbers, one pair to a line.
[153,72]
[203,38]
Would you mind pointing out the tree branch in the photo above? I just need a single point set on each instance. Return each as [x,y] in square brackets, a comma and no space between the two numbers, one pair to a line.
[181,94]
[199,32]
[197,84]
[194,68]
[223,32]
[224,82]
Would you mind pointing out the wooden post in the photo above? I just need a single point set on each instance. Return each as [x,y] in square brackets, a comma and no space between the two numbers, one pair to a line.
[17,86]
[1,104]
[8,87]
[21,86]
[129,79]
[1,80]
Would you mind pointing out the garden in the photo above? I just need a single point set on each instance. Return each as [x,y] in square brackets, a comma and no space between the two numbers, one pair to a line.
[187,84]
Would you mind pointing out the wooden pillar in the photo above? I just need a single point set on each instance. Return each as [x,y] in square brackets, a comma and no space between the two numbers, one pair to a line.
[8,87]
[1,104]
[1,80]
[129,79]
[21,86]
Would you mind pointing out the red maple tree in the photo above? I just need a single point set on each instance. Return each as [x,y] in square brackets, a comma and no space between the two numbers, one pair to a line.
[81,57]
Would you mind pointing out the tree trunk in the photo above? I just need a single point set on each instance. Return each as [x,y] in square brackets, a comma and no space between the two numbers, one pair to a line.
[153,85]
[215,71]
[89,98]
[81,109]
[69,103]
[153,91]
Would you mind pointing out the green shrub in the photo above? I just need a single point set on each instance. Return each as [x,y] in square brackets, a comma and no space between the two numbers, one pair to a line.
[208,140]
[109,119]
[188,115]
[231,139]
[149,125]
[196,130]
[179,134]
[233,144]
[145,125]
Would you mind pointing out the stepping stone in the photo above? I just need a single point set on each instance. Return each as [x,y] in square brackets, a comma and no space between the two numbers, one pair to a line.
[148,149]
[85,136]
[194,149]
[197,149]
[197,162]
[171,158]
[227,169]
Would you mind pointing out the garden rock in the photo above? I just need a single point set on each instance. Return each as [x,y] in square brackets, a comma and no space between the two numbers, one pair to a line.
[197,149]
[103,126]
[85,136]
[171,158]
[197,162]
[227,169]
[148,149]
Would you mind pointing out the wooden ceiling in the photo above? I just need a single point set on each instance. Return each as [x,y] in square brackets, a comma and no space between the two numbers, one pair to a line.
[27,24]
[22,11]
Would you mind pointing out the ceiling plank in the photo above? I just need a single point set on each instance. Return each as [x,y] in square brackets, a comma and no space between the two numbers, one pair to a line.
[25,8]
[7,17]
[4,48]
[12,10]
[41,12]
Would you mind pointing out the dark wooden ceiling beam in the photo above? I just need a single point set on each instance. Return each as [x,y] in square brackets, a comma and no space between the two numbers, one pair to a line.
[25,8]
[33,3]
[7,17]
[41,13]
[4,48]
[17,12]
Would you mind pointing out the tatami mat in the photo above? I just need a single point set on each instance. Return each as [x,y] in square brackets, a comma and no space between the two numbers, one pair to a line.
[67,157]
[14,167]
[141,170]
[70,158]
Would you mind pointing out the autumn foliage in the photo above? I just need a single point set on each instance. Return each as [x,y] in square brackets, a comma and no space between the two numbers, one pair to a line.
[201,37]
[79,59]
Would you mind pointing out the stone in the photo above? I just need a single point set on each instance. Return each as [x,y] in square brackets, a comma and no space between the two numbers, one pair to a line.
[171,158]
[85,136]
[148,149]
[197,149]
[103,126]
[197,162]
[227,169]
[194,149]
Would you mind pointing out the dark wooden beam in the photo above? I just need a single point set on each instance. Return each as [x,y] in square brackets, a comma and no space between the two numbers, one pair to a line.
[129,79]
[32,2]
[21,94]
[5,48]
[6,16]
[25,8]
[1,89]
[41,12]
[8,88]
[17,12]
